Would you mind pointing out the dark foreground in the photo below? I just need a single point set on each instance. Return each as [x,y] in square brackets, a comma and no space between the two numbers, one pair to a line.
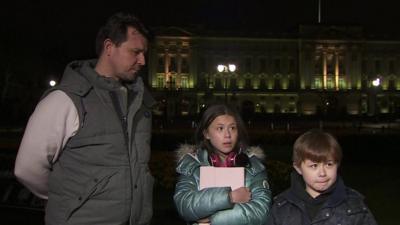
[370,166]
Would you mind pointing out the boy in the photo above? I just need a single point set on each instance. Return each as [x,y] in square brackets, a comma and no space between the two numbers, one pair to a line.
[317,194]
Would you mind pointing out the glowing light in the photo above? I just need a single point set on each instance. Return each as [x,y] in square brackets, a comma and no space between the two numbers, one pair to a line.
[376,82]
[221,68]
[232,67]
[224,68]
[52,83]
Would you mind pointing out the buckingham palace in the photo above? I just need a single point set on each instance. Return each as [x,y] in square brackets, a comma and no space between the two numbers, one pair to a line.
[319,69]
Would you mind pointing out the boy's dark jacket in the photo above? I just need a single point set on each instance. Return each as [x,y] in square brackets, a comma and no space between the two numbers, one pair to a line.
[344,206]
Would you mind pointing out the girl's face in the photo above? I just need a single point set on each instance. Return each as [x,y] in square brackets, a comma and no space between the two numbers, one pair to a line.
[222,134]
[318,176]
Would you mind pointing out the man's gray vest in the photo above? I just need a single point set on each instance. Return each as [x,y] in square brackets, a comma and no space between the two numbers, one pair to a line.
[102,174]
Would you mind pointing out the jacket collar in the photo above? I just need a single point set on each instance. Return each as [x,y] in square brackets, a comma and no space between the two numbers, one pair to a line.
[82,75]
[337,193]
[195,156]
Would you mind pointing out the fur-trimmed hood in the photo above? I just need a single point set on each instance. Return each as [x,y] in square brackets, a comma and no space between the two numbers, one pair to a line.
[185,149]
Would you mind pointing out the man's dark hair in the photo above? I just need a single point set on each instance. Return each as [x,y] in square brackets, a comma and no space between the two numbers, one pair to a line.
[116,28]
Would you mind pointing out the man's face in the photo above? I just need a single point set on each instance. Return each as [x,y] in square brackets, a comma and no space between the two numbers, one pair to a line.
[318,176]
[129,57]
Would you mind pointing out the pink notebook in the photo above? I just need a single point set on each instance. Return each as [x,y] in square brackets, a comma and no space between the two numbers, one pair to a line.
[221,177]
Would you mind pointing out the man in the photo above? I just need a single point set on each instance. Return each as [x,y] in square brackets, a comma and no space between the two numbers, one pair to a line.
[87,145]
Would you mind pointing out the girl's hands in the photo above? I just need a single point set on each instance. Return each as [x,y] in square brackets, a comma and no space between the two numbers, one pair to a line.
[204,221]
[240,195]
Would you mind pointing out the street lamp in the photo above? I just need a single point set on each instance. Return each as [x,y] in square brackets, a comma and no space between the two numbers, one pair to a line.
[52,83]
[226,69]
[372,100]
[376,82]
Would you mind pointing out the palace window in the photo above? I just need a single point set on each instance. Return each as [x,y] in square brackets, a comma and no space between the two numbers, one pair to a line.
[262,65]
[330,84]
[317,83]
[172,64]
[277,66]
[318,65]
[364,67]
[161,64]
[160,82]
[184,65]
[291,68]
[202,64]
[232,84]
[263,84]
[248,65]
[342,83]
[277,83]
[392,67]
[247,84]
[341,65]
[184,82]
[377,66]
[330,65]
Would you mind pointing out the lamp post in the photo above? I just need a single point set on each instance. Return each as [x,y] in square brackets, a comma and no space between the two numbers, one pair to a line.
[226,70]
[372,104]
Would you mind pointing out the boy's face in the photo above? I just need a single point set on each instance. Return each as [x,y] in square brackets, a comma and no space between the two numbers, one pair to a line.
[318,176]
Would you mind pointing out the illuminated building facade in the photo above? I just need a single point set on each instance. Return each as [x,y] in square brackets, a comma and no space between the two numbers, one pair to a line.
[320,70]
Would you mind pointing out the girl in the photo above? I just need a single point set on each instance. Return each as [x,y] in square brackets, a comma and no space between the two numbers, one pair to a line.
[221,142]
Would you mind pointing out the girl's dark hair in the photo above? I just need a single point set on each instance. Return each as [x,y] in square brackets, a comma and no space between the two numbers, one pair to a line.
[116,28]
[209,115]
[318,146]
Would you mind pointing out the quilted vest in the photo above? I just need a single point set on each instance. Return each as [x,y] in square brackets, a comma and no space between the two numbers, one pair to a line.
[102,174]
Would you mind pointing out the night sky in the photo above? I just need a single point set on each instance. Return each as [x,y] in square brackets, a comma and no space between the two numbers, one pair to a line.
[55,32]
